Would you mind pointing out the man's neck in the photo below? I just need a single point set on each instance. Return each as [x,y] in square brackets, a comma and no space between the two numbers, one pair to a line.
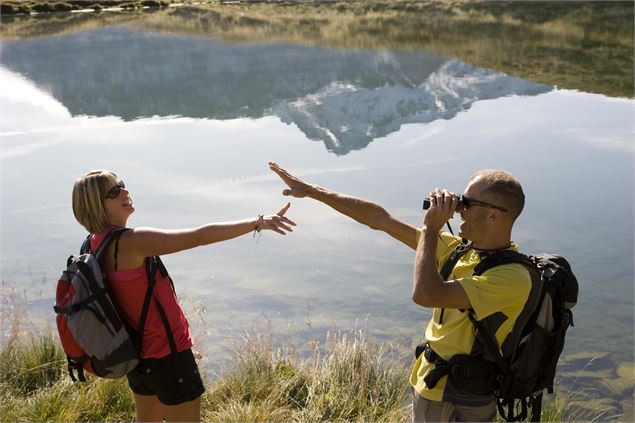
[493,243]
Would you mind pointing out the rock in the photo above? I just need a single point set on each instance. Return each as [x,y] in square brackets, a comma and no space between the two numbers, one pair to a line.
[626,369]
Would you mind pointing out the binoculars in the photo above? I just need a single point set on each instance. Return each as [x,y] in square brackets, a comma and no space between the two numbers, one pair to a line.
[463,201]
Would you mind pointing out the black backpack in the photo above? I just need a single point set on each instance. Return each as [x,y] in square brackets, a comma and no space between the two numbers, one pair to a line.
[530,352]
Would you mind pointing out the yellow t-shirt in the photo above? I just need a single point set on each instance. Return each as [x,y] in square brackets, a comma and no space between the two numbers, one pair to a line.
[503,289]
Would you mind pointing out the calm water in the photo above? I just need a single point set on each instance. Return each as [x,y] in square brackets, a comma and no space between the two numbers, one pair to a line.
[189,123]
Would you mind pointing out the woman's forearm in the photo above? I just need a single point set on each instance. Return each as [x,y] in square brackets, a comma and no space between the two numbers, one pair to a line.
[155,242]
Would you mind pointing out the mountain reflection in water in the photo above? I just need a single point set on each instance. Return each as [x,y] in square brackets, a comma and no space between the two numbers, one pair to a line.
[345,98]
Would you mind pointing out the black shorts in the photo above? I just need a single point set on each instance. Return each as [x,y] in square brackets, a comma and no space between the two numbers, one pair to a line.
[174,379]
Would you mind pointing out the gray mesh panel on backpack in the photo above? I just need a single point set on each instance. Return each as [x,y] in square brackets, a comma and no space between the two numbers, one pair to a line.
[96,329]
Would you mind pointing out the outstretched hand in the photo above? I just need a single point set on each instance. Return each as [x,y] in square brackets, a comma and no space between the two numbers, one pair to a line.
[297,187]
[277,222]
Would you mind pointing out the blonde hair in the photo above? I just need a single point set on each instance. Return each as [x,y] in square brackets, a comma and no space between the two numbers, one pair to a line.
[503,189]
[88,200]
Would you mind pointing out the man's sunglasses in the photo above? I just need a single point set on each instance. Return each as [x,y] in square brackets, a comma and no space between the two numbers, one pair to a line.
[467,202]
[115,190]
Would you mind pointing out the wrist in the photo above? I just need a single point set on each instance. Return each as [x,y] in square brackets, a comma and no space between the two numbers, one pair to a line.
[432,227]
[429,237]
[259,223]
[428,229]
[314,191]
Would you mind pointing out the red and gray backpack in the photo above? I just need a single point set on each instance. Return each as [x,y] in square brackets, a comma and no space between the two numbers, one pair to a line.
[94,336]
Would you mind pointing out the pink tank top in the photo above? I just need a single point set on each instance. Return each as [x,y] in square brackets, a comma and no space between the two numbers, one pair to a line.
[129,289]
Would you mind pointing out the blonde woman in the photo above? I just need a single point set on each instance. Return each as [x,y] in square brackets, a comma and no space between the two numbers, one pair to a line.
[166,383]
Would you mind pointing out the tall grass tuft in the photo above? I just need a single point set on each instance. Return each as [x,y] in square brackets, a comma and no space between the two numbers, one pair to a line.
[350,379]
[34,386]
[30,365]
[354,380]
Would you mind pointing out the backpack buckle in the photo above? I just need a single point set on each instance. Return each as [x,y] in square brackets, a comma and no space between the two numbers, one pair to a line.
[460,371]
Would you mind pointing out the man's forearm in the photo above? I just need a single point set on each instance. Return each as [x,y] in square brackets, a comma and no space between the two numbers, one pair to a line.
[363,211]
[426,279]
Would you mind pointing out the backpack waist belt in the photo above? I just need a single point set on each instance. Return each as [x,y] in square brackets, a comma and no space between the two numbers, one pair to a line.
[441,366]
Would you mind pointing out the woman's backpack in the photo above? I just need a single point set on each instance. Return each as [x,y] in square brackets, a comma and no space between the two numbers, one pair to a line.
[94,336]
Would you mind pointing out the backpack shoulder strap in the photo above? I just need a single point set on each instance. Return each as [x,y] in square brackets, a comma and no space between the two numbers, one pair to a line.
[114,233]
[453,259]
[534,297]
[85,248]
[153,264]
[499,258]
[449,264]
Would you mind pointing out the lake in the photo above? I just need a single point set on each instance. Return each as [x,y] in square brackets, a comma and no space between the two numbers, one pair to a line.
[188,106]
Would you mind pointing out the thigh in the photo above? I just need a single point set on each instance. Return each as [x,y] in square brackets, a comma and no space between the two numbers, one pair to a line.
[424,410]
[189,411]
[484,413]
[148,408]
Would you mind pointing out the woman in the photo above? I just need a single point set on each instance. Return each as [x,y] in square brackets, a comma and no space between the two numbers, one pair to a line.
[165,385]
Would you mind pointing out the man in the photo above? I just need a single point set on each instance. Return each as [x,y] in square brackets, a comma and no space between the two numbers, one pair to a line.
[489,207]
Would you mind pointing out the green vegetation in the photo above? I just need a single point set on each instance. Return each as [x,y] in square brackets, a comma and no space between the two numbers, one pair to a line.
[585,46]
[348,379]
[41,6]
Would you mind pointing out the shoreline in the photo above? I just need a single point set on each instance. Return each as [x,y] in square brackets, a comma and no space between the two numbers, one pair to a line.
[34,7]
[577,46]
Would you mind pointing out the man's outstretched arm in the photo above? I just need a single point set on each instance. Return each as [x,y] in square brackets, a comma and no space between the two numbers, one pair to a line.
[363,211]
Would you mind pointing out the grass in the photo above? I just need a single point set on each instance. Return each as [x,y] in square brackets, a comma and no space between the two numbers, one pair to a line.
[348,379]
[11,7]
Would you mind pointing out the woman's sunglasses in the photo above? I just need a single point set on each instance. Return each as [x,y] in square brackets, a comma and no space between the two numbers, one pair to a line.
[115,190]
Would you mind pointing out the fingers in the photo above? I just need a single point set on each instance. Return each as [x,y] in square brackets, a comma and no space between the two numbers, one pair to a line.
[278,170]
[281,221]
[444,198]
[284,209]
[279,224]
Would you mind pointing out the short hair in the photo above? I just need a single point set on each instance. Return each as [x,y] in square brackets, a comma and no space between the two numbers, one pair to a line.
[88,200]
[504,189]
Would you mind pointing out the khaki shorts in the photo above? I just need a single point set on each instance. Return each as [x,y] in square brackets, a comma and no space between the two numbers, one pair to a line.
[424,410]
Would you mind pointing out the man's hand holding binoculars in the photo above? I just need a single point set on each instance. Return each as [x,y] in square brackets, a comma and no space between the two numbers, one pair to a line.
[443,205]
